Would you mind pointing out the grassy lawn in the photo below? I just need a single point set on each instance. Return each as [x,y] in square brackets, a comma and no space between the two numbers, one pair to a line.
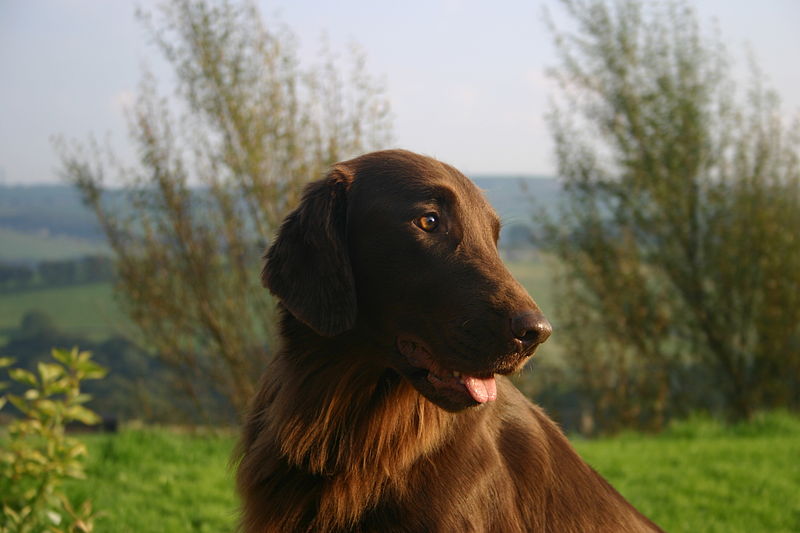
[701,477]
[150,480]
[82,309]
[697,477]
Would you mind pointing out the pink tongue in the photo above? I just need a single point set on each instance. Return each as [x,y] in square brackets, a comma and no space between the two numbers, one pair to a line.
[481,390]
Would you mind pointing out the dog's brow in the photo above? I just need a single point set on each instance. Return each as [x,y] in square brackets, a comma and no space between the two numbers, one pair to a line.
[441,193]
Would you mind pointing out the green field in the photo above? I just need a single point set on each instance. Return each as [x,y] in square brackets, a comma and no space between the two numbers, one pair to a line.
[88,309]
[149,480]
[696,477]
[701,477]
[534,275]
[19,246]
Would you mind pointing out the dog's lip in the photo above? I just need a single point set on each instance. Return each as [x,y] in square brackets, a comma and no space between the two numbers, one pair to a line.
[480,387]
[426,362]
[418,355]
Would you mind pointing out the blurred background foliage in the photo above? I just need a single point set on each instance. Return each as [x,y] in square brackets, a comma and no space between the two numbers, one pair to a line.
[676,251]
[212,185]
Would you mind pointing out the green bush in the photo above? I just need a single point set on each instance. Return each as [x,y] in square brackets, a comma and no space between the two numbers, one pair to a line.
[36,456]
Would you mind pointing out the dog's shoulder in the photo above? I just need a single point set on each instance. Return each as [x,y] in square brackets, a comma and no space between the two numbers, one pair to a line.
[538,456]
[516,417]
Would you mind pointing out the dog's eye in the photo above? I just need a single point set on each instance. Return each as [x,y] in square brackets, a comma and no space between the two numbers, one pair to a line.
[428,222]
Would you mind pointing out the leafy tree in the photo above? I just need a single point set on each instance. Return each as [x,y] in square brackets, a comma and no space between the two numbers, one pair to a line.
[212,185]
[36,325]
[677,247]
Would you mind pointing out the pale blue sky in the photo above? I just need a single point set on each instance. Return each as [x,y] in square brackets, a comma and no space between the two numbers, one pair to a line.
[465,77]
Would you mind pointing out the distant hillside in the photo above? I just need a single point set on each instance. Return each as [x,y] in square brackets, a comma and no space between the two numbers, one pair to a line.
[50,222]
[46,210]
[515,199]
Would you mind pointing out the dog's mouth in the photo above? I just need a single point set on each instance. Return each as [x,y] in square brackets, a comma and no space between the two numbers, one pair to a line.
[448,388]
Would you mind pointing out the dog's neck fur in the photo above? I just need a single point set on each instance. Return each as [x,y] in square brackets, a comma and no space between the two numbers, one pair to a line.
[358,436]
[352,423]
[318,455]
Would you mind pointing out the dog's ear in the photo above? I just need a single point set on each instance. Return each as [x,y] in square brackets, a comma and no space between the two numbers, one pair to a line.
[308,265]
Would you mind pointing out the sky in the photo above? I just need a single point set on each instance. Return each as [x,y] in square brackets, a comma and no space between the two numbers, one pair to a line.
[465,78]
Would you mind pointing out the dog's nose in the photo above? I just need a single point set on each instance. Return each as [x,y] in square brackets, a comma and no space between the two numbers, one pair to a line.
[531,328]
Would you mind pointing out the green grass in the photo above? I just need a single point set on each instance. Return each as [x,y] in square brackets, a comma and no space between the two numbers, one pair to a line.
[698,476]
[151,480]
[16,246]
[88,310]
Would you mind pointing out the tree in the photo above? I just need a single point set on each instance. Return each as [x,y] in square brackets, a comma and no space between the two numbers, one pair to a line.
[96,268]
[677,247]
[58,272]
[212,185]
[15,276]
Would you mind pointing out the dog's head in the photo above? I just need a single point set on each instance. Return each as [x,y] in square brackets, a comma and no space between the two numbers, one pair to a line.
[405,247]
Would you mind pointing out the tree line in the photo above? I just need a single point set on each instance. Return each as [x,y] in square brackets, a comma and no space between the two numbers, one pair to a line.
[56,273]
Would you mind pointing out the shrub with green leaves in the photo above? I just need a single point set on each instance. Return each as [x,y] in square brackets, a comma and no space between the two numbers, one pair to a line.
[36,456]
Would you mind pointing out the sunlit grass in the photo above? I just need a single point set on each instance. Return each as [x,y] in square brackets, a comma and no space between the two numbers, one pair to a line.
[698,476]
[157,480]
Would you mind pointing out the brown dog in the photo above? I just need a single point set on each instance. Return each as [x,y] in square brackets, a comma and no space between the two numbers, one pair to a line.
[387,409]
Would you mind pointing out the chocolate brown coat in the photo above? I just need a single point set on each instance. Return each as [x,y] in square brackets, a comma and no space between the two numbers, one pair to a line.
[387,408]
